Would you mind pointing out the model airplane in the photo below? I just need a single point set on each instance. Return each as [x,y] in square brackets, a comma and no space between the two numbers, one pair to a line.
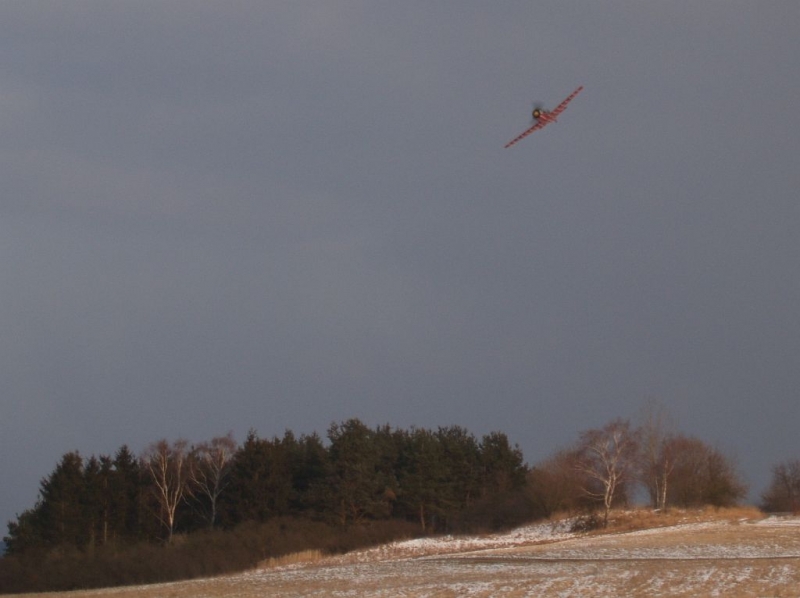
[545,117]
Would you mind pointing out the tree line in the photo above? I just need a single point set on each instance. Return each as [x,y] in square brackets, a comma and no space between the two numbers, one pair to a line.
[361,474]
[359,485]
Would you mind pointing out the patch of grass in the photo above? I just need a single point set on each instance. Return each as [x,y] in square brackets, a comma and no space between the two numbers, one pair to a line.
[296,558]
[638,519]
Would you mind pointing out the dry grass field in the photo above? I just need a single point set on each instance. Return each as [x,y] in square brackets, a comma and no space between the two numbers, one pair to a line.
[726,553]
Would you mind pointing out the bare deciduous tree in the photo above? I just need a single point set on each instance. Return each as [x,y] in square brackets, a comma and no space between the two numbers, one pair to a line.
[608,458]
[724,486]
[555,484]
[657,456]
[210,466]
[702,475]
[168,466]
[783,493]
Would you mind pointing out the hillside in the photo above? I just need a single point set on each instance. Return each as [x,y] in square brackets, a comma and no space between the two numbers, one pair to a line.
[732,553]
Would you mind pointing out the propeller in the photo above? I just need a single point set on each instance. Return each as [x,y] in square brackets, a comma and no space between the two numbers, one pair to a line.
[537,110]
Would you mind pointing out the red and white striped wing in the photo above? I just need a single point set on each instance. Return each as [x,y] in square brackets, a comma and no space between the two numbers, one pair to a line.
[524,134]
[560,108]
[546,118]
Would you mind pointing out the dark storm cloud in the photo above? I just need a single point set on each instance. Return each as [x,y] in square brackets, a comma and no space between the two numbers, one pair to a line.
[223,216]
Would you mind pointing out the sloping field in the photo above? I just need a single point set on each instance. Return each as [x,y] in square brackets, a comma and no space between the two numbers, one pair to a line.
[712,558]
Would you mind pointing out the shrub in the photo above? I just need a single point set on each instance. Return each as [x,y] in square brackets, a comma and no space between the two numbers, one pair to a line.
[587,523]
[201,554]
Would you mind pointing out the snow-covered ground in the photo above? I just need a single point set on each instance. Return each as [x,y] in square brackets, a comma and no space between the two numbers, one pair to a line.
[421,547]
[713,558]
[693,559]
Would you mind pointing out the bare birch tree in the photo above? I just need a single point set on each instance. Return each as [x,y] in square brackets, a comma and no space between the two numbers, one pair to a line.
[168,466]
[607,457]
[211,464]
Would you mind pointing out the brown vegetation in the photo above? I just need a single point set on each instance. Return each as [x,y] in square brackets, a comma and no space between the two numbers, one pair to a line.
[296,558]
[638,519]
[190,556]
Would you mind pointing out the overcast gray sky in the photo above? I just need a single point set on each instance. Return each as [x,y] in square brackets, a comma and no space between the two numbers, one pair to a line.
[228,215]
